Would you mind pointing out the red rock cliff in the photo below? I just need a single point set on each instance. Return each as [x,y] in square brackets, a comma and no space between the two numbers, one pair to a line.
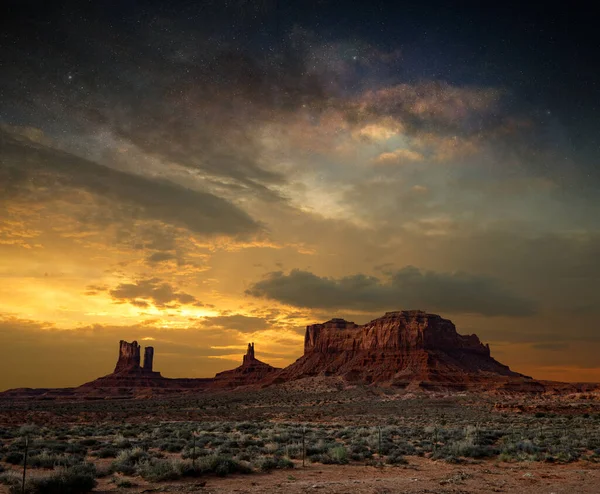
[400,347]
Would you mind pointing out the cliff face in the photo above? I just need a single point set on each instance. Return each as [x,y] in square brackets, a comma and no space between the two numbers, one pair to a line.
[252,371]
[401,347]
[403,331]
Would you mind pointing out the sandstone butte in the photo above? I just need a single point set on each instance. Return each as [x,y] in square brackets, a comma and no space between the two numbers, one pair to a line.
[408,349]
[252,371]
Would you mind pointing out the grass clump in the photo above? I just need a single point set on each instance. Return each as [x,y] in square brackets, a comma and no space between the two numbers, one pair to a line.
[266,464]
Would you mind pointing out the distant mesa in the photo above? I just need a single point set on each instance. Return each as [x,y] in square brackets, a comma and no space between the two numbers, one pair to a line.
[401,348]
[407,349]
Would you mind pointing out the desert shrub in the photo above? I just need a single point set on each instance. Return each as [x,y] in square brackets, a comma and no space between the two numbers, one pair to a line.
[43,460]
[2,468]
[73,480]
[10,477]
[75,448]
[154,470]
[294,450]
[222,465]
[127,460]
[338,454]
[192,453]
[125,484]
[54,446]
[14,457]
[107,452]
[396,459]
[122,443]
[266,464]
[172,446]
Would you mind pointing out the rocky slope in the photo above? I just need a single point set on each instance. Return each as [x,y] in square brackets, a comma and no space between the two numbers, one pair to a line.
[252,371]
[400,348]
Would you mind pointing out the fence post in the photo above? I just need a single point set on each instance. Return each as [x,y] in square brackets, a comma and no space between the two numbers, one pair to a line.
[194,450]
[303,444]
[379,451]
[25,464]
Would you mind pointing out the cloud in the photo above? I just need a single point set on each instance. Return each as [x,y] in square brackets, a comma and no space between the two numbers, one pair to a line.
[157,257]
[153,291]
[238,322]
[27,167]
[398,157]
[408,288]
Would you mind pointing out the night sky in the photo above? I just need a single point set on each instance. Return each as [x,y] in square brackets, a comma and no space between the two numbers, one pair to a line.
[198,175]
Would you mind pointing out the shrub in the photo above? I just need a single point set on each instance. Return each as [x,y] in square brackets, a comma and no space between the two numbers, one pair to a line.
[73,480]
[125,484]
[154,470]
[266,464]
[127,460]
[338,455]
[192,453]
[171,446]
[14,458]
[222,465]
[107,452]
[43,460]
[396,459]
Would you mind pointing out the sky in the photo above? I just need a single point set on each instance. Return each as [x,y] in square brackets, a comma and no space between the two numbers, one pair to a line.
[199,175]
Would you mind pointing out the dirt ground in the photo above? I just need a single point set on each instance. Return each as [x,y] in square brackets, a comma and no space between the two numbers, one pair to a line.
[419,476]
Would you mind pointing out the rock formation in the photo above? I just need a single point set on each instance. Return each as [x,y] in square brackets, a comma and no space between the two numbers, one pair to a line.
[148,358]
[399,348]
[129,356]
[129,378]
[403,348]
[252,371]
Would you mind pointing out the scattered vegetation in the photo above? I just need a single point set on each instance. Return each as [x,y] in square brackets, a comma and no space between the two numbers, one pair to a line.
[386,433]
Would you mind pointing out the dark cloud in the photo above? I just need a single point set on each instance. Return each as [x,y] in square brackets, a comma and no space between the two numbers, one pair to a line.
[408,288]
[160,257]
[238,322]
[143,292]
[186,95]
[26,166]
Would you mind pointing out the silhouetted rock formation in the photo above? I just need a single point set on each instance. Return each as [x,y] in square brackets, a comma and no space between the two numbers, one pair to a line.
[129,356]
[400,348]
[148,358]
[252,371]
[403,348]
[131,379]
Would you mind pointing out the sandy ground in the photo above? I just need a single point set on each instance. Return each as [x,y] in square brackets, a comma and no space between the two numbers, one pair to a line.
[420,476]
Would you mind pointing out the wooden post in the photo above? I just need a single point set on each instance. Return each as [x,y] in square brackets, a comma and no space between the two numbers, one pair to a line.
[194,450]
[303,445]
[379,451]
[25,464]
